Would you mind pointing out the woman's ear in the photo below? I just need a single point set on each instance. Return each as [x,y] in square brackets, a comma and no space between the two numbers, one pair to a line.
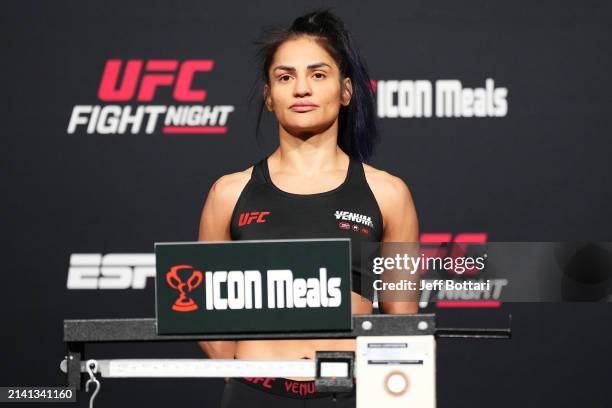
[347,91]
[267,98]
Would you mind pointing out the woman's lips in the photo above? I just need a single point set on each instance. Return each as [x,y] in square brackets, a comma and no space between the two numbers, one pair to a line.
[302,108]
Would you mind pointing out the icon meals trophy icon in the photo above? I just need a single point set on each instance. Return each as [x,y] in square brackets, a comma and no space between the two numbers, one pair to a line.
[184,303]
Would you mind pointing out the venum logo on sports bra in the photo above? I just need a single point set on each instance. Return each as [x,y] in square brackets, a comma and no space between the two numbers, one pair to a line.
[248,217]
[358,218]
[351,216]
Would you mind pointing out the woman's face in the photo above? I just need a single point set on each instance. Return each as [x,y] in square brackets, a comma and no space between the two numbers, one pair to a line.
[305,91]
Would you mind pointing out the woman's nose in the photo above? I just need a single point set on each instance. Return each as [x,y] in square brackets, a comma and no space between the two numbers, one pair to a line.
[302,87]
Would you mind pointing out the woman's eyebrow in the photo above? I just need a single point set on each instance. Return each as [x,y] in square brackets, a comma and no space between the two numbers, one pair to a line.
[309,67]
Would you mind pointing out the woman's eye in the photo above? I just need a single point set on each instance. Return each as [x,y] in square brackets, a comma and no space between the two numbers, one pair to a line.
[321,75]
[282,77]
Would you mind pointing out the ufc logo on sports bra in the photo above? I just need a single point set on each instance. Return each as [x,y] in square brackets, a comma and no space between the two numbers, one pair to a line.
[252,216]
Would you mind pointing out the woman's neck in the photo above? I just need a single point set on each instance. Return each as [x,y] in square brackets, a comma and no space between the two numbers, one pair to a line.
[309,154]
[308,160]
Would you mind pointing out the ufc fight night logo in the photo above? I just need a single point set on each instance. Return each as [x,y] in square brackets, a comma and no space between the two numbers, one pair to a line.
[128,89]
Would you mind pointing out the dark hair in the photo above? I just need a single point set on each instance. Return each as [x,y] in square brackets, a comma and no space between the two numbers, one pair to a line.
[357,130]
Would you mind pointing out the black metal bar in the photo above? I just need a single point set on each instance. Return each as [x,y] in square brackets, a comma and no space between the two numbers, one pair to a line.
[145,329]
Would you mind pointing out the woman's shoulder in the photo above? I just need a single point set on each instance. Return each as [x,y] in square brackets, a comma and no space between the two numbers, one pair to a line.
[384,182]
[219,204]
[225,191]
[228,187]
[390,192]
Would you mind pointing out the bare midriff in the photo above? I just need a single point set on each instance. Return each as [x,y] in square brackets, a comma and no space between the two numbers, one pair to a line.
[298,349]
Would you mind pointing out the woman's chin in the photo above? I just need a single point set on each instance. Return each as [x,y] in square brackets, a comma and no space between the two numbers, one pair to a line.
[306,128]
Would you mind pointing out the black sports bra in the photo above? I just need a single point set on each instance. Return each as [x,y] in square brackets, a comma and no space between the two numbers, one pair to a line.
[349,210]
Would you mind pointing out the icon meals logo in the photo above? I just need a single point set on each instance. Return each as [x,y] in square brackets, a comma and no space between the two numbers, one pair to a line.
[243,289]
[139,82]
[184,303]
[444,98]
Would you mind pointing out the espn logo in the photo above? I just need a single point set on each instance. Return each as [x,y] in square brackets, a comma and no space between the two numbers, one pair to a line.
[110,271]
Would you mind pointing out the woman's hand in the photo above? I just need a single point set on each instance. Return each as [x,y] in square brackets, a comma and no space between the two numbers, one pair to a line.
[218,349]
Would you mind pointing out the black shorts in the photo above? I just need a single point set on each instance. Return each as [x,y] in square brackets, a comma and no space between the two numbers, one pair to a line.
[281,392]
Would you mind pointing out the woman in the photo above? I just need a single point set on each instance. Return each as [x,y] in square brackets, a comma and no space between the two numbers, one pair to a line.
[317,86]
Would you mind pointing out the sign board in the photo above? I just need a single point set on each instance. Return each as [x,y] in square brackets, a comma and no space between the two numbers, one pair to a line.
[258,286]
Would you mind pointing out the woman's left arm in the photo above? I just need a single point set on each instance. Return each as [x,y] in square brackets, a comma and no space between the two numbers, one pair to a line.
[401,225]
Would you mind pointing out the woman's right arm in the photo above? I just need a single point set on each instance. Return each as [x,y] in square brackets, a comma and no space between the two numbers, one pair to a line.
[214,226]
